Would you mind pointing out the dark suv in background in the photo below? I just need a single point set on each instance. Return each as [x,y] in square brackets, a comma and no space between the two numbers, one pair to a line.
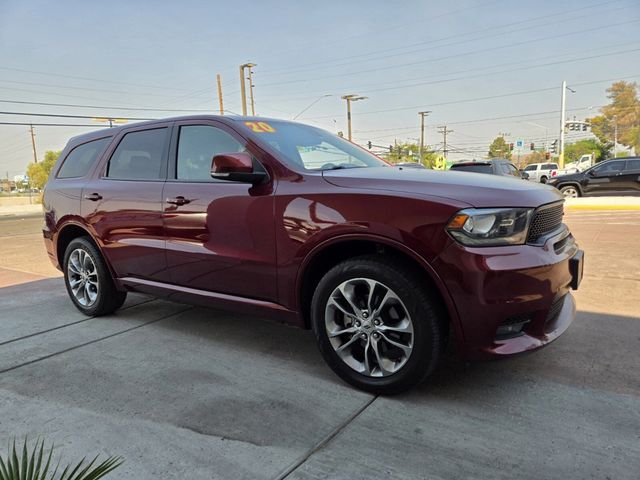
[612,177]
[286,220]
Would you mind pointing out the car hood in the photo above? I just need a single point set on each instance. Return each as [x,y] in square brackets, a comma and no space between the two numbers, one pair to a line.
[475,189]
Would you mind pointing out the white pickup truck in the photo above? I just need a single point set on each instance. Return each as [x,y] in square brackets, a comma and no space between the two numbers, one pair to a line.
[540,172]
[580,165]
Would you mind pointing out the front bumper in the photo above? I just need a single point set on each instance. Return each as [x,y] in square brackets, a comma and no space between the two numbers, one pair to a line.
[499,286]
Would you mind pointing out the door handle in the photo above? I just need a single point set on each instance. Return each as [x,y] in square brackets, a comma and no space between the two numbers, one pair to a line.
[178,201]
[94,197]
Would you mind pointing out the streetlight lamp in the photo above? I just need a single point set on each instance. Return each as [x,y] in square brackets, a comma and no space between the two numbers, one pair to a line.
[422,115]
[349,99]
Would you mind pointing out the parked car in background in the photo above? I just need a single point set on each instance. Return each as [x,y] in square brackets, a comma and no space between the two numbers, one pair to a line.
[580,165]
[285,220]
[611,177]
[540,172]
[409,165]
[495,166]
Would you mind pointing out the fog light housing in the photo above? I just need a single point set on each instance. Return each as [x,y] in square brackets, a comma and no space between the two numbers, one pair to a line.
[512,327]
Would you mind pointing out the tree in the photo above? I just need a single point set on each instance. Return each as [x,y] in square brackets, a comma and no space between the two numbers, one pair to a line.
[533,157]
[623,111]
[38,173]
[499,149]
[410,152]
[574,151]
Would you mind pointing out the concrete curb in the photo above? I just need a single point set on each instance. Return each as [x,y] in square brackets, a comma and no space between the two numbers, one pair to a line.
[602,203]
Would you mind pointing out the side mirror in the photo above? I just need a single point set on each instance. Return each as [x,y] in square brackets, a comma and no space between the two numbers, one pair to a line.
[524,175]
[236,167]
[591,173]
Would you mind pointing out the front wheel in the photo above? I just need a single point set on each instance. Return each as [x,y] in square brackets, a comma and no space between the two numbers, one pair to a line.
[376,325]
[89,281]
[570,192]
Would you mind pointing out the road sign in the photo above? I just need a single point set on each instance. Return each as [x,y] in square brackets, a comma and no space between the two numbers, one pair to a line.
[519,143]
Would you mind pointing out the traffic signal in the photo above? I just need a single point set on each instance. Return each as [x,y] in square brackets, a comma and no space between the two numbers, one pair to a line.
[390,148]
[532,146]
[554,146]
[511,147]
[369,144]
[547,155]
[584,127]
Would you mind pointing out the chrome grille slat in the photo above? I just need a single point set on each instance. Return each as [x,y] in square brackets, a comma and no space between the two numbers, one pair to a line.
[546,219]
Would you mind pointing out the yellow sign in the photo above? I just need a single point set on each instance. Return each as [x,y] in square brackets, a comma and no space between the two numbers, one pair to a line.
[260,127]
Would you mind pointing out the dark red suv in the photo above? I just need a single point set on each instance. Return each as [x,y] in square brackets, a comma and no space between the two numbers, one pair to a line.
[286,220]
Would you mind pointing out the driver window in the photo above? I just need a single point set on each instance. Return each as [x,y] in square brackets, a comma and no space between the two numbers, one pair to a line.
[197,145]
[609,167]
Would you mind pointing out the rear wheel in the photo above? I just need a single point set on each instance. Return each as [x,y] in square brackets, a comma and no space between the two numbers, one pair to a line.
[543,179]
[89,281]
[570,192]
[376,326]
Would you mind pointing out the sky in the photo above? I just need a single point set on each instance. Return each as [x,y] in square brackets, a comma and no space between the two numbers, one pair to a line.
[482,68]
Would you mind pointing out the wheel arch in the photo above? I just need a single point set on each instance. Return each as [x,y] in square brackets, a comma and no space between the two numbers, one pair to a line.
[325,256]
[69,232]
[571,184]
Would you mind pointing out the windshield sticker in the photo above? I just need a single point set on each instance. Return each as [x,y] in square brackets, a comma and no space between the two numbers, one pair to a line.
[260,127]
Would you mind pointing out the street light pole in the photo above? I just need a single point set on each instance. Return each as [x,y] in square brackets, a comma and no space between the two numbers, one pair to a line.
[250,78]
[422,115]
[563,110]
[615,136]
[349,99]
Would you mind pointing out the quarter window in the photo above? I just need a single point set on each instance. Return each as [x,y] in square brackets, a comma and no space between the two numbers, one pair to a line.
[81,159]
[197,145]
[530,168]
[138,156]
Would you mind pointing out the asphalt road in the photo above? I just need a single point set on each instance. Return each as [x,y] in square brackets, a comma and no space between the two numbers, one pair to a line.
[184,392]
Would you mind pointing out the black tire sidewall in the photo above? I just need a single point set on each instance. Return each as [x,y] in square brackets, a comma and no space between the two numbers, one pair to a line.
[427,340]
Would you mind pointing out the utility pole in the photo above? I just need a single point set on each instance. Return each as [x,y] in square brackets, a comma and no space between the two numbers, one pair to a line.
[349,99]
[219,79]
[422,115]
[250,78]
[243,92]
[444,131]
[563,106]
[615,136]
[33,144]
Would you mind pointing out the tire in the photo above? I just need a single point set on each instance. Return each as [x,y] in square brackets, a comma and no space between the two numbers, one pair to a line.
[88,280]
[570,191]
[543,179]
[389,369]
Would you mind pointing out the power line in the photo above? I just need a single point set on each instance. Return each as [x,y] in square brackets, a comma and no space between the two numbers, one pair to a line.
[69,116]
[74,105]
[466,53]
[488,97]
[493,28]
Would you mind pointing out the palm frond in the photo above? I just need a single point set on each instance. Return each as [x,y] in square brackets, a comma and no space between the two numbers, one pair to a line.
[28,465]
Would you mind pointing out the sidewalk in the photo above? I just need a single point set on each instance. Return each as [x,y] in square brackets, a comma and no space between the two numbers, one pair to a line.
[603,203]
[16,210]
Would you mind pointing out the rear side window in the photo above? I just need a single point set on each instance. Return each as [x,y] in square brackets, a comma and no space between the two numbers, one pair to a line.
[81,159]
[633,164]
[530,168]
[473,168]
[138,156]
[549,166]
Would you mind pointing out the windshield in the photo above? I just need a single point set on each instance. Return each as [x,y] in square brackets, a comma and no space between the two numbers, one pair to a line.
[310,148]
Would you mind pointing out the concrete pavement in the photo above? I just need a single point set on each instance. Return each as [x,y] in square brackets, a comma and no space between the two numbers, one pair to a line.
[188,392]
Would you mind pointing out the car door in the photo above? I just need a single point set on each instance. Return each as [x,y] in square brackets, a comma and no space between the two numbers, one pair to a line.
[122,202]
[604,179]
[220,234]
[631,177]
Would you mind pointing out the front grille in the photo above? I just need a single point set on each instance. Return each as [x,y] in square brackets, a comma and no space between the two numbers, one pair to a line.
[545,219]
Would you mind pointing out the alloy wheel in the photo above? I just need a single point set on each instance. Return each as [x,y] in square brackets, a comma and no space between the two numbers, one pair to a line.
[570,192]
[83,277]
[369,327]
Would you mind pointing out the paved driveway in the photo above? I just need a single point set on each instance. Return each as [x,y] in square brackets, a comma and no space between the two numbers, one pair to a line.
[184,392]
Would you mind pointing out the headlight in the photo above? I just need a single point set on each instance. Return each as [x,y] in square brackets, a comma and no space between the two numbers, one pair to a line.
[490,227]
